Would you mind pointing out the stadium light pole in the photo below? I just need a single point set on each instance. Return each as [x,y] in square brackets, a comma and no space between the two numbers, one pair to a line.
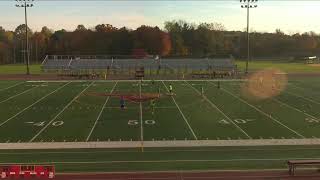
[248,4]
[26,4]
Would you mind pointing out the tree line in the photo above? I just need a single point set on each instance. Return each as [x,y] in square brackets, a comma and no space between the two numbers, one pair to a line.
[178,39]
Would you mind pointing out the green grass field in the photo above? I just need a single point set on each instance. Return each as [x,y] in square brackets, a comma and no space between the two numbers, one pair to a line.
[69,112]
[48,111]
[19,69]
[285,66]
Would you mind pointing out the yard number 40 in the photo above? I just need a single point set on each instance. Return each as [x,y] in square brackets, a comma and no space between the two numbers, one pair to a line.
[136,122]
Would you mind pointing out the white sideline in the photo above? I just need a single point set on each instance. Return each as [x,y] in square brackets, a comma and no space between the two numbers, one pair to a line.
[32,104]
[34,137]
[176,143]
[17,94]
[185,119]
[11,86]
[216,107]
[257,109]
[104,105]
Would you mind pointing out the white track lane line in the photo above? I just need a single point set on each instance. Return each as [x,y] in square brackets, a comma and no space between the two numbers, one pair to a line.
[103,107]
[183,116]
[45,127]
[169,161]
[12,86]
[18,94]
[216,107]
[257,109]
[33,104]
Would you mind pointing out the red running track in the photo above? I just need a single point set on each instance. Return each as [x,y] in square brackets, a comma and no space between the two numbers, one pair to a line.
[217,175]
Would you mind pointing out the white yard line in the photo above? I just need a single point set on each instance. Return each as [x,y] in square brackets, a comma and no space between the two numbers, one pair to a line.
[301,88]
[216,107]
[12,86]
[18,94]
[302,97]
[265,114]
[33,104]
[45,127]
[141,119]
[104,105]
[185,119]
[285,104]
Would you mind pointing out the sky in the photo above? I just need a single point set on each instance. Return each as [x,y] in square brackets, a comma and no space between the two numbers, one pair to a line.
[290,16]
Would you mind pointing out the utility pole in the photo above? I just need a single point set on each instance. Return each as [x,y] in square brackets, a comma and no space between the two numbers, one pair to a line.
[26,4]
[248,4]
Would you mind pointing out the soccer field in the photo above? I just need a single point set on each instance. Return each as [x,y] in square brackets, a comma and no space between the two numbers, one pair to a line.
[70,112]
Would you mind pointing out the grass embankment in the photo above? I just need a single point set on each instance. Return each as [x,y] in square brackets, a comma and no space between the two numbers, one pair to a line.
[19,69]
[287,67]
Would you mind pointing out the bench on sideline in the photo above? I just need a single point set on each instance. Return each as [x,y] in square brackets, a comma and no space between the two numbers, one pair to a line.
[294,163]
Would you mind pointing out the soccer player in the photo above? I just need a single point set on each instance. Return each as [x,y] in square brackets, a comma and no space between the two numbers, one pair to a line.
[152,106]
[122,103]
[170,89]
[202,91]
[159,91]
[261,80]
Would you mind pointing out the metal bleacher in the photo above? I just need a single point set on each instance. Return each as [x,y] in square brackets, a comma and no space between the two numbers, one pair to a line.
[222,64]
[103,63]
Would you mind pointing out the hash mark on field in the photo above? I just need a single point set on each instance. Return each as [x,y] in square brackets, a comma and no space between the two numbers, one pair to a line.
[17,95]
[12,86]
[257,109]
[216,107]
[104,105]
[33,104]
[185,119]
[76,97]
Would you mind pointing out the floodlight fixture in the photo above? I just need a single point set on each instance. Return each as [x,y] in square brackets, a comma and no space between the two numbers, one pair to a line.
[26,4]
[248,4]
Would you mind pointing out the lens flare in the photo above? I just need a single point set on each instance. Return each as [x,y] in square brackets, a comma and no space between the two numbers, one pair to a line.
[265,84]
